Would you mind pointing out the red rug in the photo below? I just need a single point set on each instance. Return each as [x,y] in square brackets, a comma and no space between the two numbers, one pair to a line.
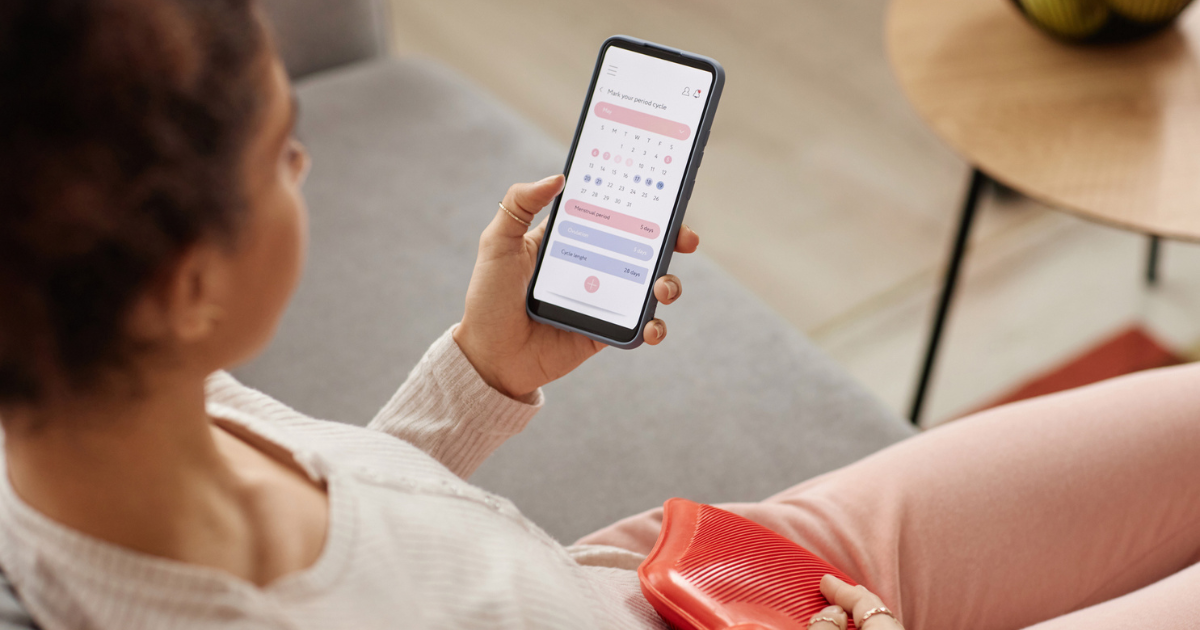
[1130,350]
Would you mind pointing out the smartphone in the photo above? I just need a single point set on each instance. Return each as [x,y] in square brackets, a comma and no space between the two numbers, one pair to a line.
[630,174]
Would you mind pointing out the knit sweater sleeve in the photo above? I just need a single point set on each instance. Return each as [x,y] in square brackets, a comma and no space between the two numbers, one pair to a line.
[447,410]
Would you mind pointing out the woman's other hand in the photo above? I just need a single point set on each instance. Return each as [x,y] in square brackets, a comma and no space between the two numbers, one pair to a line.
[513,353]
[856,599]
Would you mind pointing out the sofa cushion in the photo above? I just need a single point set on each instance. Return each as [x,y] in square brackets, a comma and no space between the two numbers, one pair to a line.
[409,161]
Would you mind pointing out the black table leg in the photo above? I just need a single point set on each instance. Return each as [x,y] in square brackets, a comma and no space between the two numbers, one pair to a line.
[978,181]
[1152,260]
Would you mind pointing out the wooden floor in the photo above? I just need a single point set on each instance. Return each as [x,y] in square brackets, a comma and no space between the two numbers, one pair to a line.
[824,193]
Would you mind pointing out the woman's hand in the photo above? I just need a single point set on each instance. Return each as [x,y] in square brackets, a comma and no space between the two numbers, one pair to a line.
[856,599]
[513,353]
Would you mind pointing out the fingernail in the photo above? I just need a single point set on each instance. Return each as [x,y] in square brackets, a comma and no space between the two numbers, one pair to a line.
[662,330]
[672,289]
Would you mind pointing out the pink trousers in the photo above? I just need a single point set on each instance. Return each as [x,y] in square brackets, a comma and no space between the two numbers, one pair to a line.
[1079,510]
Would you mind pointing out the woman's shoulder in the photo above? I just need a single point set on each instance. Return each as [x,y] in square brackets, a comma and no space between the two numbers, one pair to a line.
[355,447]
[221,388]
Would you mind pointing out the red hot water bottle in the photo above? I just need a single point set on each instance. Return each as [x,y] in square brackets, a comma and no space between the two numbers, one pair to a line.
[714,570]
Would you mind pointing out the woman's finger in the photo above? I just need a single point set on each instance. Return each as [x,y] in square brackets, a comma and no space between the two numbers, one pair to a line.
[654,332]
[858,600]
[831,618]
[538,231]
[524,201]
[667,289]
[687,241]
[839,592]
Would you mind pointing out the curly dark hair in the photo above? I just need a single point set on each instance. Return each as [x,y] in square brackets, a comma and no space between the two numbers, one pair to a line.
[122,124]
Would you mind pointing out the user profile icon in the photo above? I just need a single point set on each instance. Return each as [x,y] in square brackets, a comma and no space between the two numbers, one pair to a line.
[687,91]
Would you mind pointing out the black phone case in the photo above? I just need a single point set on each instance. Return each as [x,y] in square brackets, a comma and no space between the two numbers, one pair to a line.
[689,179]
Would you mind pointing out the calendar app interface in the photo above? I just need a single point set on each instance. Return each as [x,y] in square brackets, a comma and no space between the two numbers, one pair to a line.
[622,186]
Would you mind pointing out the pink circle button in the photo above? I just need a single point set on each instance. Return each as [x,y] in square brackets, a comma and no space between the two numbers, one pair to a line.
[629,162]
[606,155]
[667,159]
[595,152]
[592,284]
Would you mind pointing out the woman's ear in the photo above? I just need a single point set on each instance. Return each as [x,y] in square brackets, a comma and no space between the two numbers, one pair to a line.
[196,294]
[186,305]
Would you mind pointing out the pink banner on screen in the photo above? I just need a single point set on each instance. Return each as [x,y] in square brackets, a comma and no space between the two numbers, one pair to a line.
[615,220]
[648,122]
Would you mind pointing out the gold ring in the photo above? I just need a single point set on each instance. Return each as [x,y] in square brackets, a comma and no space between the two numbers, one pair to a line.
[515,217]
[880,610]
[829,619]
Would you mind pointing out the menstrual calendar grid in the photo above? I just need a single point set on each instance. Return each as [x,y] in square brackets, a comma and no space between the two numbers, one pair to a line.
[627,184]
[621,189]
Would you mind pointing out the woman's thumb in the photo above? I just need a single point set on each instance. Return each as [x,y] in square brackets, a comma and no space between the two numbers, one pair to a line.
[533,197]
[523,202]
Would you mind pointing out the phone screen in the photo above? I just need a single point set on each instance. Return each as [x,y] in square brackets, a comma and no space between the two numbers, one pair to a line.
[623,184]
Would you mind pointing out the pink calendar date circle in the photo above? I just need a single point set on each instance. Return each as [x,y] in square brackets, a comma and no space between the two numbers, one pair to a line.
[606,155]
[667,159]
[629,162]
[595,152]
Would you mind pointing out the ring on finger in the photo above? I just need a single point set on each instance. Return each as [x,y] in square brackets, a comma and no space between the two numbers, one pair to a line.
[828,619]
[878,610]
[515,217]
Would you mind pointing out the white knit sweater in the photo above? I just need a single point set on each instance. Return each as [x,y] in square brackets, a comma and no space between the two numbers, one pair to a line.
[410,543]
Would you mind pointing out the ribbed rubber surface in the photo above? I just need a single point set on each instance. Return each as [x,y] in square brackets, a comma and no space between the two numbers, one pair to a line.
[731,571]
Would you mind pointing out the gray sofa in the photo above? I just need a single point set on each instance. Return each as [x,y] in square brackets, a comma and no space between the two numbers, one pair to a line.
[409,160]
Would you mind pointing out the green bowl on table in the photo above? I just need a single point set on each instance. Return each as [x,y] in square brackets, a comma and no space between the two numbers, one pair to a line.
[1101,21]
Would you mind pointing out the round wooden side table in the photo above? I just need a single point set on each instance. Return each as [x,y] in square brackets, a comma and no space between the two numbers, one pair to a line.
[1110,133]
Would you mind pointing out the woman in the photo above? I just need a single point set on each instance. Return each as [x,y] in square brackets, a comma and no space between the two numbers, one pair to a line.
[151,233]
